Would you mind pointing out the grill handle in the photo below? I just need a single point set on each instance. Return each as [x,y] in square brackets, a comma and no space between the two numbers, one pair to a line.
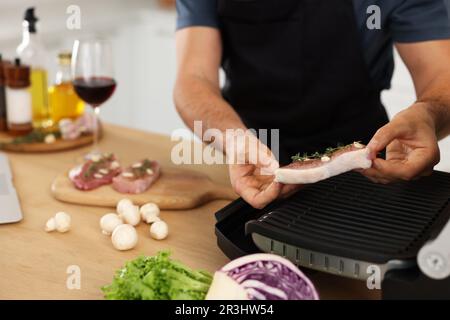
[434,257]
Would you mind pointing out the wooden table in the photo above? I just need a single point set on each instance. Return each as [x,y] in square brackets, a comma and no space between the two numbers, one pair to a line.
[33,263]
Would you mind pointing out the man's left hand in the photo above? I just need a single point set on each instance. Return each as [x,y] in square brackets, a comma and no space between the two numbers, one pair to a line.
[411,147]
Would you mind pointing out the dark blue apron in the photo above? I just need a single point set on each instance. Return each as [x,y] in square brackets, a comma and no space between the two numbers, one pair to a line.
[297,66]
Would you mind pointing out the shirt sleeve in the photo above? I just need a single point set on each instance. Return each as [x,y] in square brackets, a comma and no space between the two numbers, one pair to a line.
[196,13]
[420,20]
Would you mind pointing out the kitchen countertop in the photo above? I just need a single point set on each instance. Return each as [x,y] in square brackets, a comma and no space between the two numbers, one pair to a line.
[34,263]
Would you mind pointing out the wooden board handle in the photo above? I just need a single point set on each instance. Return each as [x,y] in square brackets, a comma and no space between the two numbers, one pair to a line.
[221,192]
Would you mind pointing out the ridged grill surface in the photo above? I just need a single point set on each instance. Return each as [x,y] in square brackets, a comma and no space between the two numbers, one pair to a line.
[351,216]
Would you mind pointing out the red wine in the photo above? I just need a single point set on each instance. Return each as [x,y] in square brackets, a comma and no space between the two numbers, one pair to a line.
[94,90]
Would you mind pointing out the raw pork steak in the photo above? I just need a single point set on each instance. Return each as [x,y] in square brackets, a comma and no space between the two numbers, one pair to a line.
[99,170]
[311,169]
[138,177]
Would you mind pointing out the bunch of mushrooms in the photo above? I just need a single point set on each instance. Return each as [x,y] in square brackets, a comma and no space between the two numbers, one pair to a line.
[121,225]
[59,222]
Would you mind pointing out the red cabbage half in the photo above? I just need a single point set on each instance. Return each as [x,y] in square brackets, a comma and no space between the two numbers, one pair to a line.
[261,277]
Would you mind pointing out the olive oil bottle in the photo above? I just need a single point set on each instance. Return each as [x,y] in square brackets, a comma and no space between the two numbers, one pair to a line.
[39,98]
[32,53]
[63,100]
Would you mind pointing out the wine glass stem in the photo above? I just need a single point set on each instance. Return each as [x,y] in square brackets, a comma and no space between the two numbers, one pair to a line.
[96,128]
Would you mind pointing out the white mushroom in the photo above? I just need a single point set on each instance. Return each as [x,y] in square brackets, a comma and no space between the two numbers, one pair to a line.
[159,230]
[109,222]
[122,204]
[149,212]
[60,222]
[131,215]
[124,237]
[50,225]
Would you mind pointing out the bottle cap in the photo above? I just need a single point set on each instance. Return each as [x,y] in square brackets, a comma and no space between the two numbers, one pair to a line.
[31,19]
[17,75]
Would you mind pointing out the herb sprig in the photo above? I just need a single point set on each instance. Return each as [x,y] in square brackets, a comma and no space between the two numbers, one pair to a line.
[35,136]
[142,170]
[317,155]
[94,166]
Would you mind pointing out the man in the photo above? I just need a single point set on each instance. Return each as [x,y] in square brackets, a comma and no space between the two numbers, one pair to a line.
[314,69]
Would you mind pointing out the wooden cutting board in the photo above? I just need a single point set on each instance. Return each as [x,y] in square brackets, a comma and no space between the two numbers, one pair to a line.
[7,144]
[38,147]
[175,189]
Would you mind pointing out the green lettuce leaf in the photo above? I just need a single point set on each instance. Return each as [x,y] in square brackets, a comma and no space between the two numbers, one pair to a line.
[157,278]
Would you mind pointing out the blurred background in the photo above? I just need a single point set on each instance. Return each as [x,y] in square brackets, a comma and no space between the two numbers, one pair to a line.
[142,33]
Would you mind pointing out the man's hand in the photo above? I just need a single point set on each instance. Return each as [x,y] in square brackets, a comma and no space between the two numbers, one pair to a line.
[251,169]
[411,147]
[256,189]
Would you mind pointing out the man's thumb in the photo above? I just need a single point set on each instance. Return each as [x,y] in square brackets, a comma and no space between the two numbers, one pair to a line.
[270,167]
[382,138]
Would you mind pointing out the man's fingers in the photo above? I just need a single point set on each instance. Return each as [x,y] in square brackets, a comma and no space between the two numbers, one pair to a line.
[405,170]
[260,198]
[258,193]
[269,167]
[264,159]
[386,171]
[375,176]
[248,149]
[382,138]
[267,195]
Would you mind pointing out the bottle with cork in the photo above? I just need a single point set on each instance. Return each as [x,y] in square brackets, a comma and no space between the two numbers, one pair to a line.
[32,52]
[3,64]
[18,98]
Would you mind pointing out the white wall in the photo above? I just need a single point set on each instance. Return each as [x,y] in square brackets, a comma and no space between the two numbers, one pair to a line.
[142,36]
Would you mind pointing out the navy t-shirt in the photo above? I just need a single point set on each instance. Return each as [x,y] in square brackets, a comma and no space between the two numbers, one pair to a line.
[401,21]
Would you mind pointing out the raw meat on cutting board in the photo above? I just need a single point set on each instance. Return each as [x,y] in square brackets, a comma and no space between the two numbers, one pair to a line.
[137,178]
[99,170]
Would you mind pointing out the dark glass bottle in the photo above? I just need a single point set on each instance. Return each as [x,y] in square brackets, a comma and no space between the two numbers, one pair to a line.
[3,125]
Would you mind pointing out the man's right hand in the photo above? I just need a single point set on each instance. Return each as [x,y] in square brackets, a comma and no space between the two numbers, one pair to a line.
[197,96]
[256,189]
[251,172]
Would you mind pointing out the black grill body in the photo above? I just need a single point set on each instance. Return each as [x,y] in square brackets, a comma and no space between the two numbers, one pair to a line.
[354,218]
[343,224]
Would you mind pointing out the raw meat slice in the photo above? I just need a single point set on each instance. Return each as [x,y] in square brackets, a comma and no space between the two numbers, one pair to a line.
[138,177]
[99,170]
[312,169]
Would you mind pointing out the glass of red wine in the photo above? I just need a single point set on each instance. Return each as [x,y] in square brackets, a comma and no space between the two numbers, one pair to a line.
[93,78]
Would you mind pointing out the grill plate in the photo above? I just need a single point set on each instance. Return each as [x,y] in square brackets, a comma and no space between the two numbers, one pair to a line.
[350,216]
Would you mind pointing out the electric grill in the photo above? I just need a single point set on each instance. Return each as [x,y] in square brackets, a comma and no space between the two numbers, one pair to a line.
[345,224]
